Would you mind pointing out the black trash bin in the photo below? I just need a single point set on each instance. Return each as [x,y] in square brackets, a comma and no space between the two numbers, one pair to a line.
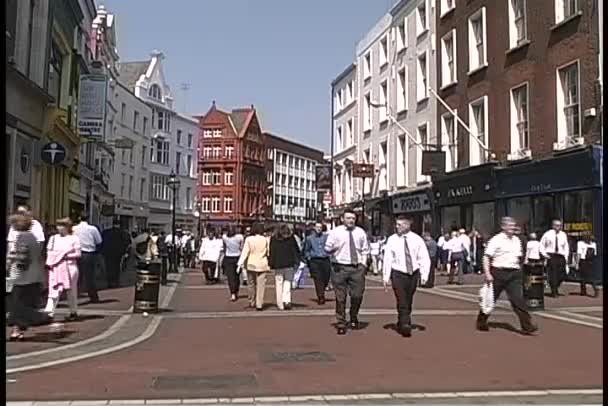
[534,287]
[147,287]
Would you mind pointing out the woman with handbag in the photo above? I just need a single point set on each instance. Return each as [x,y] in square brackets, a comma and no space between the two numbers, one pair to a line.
[254,258]
[284,257]
[586,251]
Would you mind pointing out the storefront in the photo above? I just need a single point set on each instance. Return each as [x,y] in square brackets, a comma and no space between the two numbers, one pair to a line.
[378,211]
[465,198]
[415,205]
[567,186]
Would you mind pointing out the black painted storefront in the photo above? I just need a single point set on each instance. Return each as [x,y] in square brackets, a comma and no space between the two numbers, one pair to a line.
[417,206]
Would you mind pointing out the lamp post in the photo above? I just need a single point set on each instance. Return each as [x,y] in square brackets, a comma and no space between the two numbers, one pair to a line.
[291,207]
[197,214]
[173,183]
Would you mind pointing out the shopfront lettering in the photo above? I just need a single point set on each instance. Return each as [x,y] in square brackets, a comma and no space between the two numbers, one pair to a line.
[460,191]
[409,204]
[542,187]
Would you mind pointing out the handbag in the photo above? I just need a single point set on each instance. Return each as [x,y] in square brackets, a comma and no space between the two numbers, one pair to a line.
[486,298]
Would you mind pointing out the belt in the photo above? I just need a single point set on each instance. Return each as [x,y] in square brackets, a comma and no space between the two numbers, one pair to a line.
[505,269]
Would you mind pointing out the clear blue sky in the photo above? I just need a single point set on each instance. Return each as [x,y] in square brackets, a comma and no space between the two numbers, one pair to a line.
[280,55]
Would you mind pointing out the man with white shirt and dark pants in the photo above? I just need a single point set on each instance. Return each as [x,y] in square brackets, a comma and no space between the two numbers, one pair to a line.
[349,248]
[406,263]
[554,247]
[90,239]
[502,267]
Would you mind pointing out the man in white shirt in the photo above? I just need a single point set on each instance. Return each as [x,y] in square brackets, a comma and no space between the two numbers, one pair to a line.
[466,243]
[406,263]
[90,239]
[501,265]
[349,248]
[586,252]
[554,247]
[209,254]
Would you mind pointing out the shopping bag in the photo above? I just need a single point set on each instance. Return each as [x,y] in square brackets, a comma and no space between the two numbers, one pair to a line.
[486,298]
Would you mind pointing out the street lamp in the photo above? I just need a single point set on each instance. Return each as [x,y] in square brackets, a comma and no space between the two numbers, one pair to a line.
[197,214]
[173,183]
[291,207]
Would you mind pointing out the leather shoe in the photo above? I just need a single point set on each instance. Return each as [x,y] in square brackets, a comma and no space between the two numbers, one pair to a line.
[405,331]
[321,301]
[482,322]
[530,330]
[355,325]
[341,331]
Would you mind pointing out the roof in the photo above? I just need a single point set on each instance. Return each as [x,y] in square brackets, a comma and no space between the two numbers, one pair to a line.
[344,73]
[240,118]
[312,151]
[130,72]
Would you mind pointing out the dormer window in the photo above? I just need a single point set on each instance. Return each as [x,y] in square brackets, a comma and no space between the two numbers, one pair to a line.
[155,92]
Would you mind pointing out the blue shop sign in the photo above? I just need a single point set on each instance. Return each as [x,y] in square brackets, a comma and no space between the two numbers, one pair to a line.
[576,170]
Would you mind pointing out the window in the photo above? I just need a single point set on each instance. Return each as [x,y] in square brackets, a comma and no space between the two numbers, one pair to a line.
[55,73]
[190,138]
[163,121]
[215,205]
[402,90]
[401,161]
[206,206]
[130,187]
[207,133]
[519,118]
[142,190]
[123,111]
[477,40]
[350,96]
[178,163]
[179,137]
[517,22]
[402,35]
[383,101]
[144,151]
[216,178]
[11,27]
[422,74]
[229,150]
[367,113]
[217,133]
[447,6]
[423,137]
[565,9]
[131,157]
[207,178]
[384,52]
[339,103]
[135,120]
[227,204]
[145,126]
[207,152]
[367,65]
[449,140]
[383,164]
[350,132]
[124,156]
[188,198]
[421,18]
[339,139]
[155,92]
[478,123]
[123,179]
[568,107]
[448,59]
[228,176]
[153,119]
[189,167]
[160,189]
[161,152]
[217,152]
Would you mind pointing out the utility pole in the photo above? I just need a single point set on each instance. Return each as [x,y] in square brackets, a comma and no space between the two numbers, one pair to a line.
[185,87]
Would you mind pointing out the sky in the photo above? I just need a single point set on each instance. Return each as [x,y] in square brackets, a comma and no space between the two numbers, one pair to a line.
[279,55]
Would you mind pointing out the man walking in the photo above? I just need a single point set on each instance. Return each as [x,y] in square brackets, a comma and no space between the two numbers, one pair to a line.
[432,249]
[406,263]
[554,247]
[318,260]
[115,244]
[501,265]
[90,239]
[349,247]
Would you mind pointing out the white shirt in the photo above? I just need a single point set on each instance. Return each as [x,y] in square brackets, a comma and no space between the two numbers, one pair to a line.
[466,242]
[89,237]
[36,229]
[338,245]
[211,249]
[504,252]
[581,248]
[375,248]
[169,240]
[184,240]
[394,256]
[441,242]
[547,244]
[454,245]
[533,250]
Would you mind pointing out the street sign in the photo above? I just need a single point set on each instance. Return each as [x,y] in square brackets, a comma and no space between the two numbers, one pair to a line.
[92,106]
[53,153]
[363,170]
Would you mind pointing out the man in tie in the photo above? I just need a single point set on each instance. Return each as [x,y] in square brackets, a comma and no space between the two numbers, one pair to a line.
[349,248]
[554,247]
[406,263]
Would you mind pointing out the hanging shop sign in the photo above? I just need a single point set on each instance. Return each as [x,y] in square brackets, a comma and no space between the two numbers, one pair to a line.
[53,153]
[323,177]
[412,203]
[92,106]
[363,170]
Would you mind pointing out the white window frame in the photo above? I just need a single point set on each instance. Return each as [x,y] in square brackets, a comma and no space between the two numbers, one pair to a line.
[383,174]
[367,112]
[481,154]
[367,65]
[421,96]
[402,161]
[516,120]
[384,101]
[451,150]
[206,205]
[217,133]
[562,120]
[216,177]
[384,51]
[229,151]
[402,35]
[228,204]
[217,152]
[560,6]
[448,78]
[207,133]
[207,151]
[514,42]
[402,90]
[474,63]
[350,132]
[445,7]
[426,125]
[422,26]
[228,178]
[350,92]
[215,205]
[206,178]
[340,138]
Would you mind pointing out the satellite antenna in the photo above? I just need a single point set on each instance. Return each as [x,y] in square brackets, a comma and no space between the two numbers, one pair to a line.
[185,87]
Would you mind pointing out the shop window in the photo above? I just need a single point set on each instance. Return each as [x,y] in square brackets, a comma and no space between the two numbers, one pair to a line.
[520,209]
[544,213]
[578,214]
[450,218]
[483,219]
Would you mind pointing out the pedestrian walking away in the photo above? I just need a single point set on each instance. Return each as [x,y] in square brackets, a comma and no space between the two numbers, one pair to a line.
[284,256]
[555,249]
[233,245]
[90,239]
[163,253]
[254,259]
[501,264]
[63,253]
[318,260]
[406,263]
[209,254]
[114,247]
[349,248]
[432,250]
[586,252]
[457,254]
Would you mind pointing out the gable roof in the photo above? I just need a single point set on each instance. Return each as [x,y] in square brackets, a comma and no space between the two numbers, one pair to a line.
[130,72]
[241,119]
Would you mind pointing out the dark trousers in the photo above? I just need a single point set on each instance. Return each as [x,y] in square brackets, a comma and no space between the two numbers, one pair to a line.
[556,266]
[113,270]
[229,266]
[87,268]
[404,287]
[320,270]
[23,312]
[431,281]
[511,281]
[209,270]
[586,274]
[164,267]
[348,280]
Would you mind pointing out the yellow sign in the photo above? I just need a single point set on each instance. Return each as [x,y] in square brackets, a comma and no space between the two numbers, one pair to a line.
[568,227]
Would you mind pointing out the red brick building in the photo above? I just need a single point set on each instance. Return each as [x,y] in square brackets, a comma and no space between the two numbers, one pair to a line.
[231,161]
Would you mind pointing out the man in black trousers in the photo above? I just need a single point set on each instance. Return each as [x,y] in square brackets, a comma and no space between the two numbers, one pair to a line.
[406,263]
[318,260]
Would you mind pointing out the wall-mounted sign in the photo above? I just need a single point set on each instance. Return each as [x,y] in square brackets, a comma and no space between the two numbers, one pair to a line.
[363,170]
[323,177]
[53,153]
[411,203]
[92,106]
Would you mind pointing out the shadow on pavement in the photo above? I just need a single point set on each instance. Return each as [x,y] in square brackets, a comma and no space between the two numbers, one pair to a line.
[505,326]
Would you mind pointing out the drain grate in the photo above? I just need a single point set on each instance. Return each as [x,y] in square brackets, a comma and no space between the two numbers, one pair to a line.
[203,382]
[312,356]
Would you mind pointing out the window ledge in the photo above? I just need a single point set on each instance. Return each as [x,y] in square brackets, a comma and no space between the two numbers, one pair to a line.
[444,87]
[477,69]
[519,46]
[447,12]
[403,110]
[383,65]
[421,33]
[383,121]
[566,20]
[423,99]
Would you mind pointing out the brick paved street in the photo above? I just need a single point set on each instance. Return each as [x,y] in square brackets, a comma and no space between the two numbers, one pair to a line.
[197,351]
